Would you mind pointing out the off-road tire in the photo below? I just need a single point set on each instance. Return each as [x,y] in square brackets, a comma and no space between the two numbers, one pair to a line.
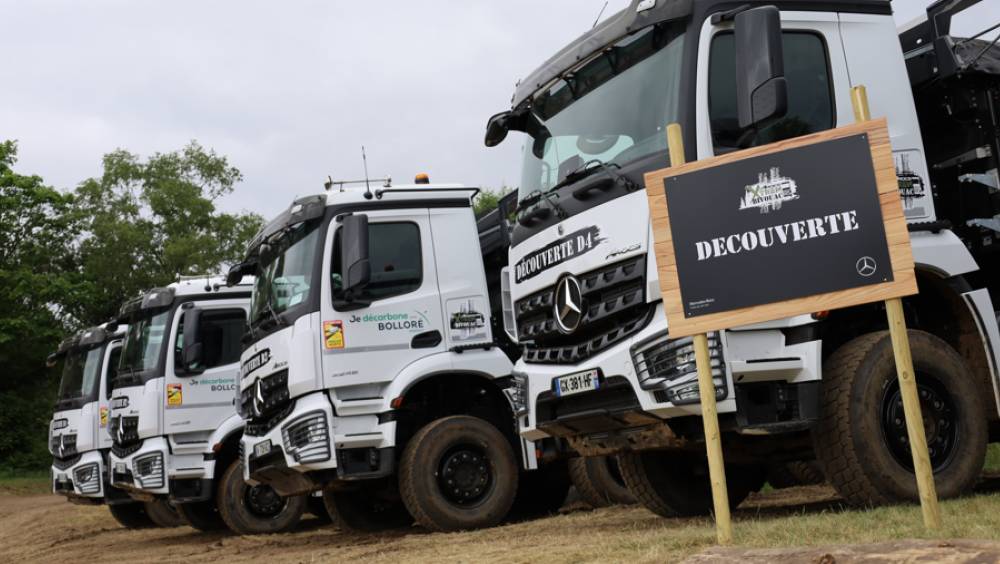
[437,449]
[242,517]
[370,507]
[597,482]
[315,506]
[541,492]
[202,515]
[796,473]
[850,441]
[131,515]
[163,514]
[677,484]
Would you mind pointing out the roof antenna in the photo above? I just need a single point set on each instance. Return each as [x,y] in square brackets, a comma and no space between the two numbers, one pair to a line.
[599,14]
[368,188]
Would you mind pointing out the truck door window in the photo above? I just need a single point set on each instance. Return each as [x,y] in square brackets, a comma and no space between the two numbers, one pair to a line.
[395,257]
[221,331]
[810,102]
[113,359]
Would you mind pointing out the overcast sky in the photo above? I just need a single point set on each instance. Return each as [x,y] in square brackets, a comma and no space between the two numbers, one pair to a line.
[288,91]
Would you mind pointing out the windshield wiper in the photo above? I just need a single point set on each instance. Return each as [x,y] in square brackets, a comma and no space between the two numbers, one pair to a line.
[269,310]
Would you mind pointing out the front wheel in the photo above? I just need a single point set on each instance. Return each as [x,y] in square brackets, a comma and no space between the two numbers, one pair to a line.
[202,515]
[255,510]
[861,440]
[366,507]
[131,515]
[678,484]
[163,514]
[458,473]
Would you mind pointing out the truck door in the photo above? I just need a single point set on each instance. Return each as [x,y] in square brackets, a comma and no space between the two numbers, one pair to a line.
[815,72]
[200,400]
[403,322]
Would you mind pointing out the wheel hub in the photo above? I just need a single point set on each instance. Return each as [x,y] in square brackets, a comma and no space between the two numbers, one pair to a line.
[939,419]
[465,475]
[263,501]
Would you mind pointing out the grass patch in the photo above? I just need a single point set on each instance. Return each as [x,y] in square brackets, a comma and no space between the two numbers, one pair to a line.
[25,483]
[993,458]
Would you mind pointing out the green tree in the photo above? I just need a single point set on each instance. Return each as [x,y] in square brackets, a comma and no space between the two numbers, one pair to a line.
[37,275]
[148,221]
[487,199]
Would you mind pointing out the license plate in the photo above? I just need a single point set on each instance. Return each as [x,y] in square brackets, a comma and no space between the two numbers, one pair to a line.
[262,448]
[120,468]
[576,383]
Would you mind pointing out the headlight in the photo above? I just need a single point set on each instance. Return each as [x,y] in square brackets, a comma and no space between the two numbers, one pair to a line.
[518,393]
[88,478]
[148,470]
[307,438]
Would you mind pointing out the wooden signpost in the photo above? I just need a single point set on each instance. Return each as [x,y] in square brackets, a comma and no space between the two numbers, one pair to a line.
[807,224]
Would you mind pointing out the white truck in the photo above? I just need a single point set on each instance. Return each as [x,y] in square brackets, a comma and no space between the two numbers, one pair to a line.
[599,368]
[374,368]
[78,433]
[174,424]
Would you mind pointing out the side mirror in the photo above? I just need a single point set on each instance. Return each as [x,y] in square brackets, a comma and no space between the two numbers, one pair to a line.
[761,90]
[191,350]
[239,270]
[354,266]
[497,129]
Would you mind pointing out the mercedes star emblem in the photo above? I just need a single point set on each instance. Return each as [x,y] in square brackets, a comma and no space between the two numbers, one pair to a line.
[568,306]
[121,430]
[258,399]
[62,446]
[866,266]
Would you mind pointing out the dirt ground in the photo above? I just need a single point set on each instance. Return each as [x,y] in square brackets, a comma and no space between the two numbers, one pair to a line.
[47,528]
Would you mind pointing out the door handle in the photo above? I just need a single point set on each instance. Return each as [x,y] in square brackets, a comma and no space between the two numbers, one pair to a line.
[426,340]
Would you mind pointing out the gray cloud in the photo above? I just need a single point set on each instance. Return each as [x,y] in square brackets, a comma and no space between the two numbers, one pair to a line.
[288,91]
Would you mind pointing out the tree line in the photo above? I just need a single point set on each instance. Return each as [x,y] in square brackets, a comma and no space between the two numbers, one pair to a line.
[69,258]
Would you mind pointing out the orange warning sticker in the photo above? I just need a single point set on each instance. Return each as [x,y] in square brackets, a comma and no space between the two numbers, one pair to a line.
[104,416]
[175,394]
[333,334]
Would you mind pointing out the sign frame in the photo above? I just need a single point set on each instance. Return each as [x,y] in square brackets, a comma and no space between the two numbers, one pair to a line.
[897,236]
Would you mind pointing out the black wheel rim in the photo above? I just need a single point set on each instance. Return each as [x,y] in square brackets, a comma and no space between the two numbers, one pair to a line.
[465,475]
[940,422]
[263,501]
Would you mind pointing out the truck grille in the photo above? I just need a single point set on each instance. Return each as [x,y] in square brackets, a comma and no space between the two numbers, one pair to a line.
[614,308]
[125,435]
[272,405]
[64,463]
[63,446]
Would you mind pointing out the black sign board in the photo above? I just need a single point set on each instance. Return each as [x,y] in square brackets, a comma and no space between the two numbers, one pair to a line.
[781,226]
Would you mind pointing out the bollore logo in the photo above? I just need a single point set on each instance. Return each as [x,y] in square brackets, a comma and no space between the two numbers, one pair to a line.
[557,252]
[255,362]
[769,192]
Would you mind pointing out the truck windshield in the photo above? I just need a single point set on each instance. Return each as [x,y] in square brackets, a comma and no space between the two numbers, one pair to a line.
[80,374]
[144,341]
[285,274]
[614,109]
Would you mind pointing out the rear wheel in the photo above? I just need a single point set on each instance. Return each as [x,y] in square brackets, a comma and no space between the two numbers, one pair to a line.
[542,491]
[163,514]
[316,506]
[458,473]
[254,510]
[861,440]
[678,485]
[371,506]
[202,515]
[131,515]
[599,481]
[796,473]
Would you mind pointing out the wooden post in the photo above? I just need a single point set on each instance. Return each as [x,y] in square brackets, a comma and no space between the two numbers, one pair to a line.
[907,377]
[706,390]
